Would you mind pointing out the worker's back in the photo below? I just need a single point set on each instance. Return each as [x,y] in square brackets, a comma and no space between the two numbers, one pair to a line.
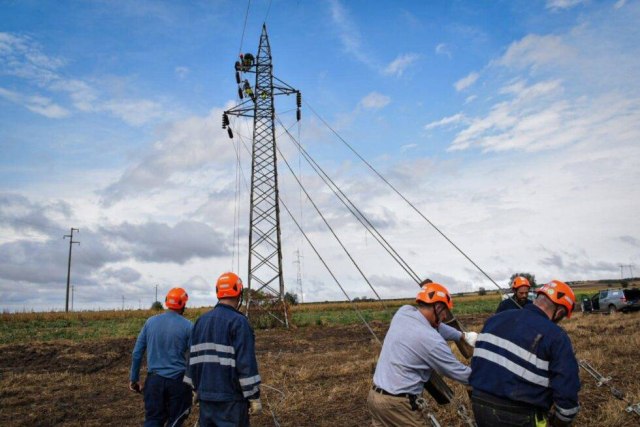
[222,358]
[522,356]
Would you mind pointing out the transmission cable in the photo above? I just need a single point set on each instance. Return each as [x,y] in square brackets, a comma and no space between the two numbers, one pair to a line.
[401,195]
[328,225]
[246,16]
[355,211]
[330,272]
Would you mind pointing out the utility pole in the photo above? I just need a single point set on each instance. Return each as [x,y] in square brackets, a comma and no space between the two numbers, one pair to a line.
[299,274]
[156,294]
[72,288]
[122,302]
[71,242]
[265,250]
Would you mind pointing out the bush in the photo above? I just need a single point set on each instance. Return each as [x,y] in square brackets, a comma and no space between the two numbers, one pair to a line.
[482,291]
[157,306]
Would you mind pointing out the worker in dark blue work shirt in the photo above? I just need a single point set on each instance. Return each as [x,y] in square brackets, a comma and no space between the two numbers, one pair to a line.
[222,363]
[523,370]
[165,338]
[520,287]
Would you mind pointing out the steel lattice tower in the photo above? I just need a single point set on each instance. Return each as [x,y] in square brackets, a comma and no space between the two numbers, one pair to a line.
[265,249]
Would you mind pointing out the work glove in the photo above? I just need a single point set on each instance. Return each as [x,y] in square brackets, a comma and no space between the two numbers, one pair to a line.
[470,338]
[255,407]
[135,386]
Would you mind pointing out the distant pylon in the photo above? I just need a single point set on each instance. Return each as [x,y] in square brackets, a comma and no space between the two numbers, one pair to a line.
[265,277]
[71,242]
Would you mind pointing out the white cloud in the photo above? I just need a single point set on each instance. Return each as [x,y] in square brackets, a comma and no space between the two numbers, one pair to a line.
[400,64]
[375,101]
[562,4]
[619,4]
[135,112]
[535,51]
[466,82]
[187,146]
[348,33]
[22,57]
[446,121]
[36,103]
[443,49]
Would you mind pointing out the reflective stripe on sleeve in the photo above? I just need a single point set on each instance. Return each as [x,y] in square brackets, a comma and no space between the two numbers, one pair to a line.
[212,358]
[515,349]
[568,412]
[251,392]
[187,380]
[249,381]
[511,366]
[212,346]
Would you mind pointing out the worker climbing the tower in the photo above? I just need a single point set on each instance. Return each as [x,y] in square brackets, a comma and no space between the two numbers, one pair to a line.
[246,62]
[248,91]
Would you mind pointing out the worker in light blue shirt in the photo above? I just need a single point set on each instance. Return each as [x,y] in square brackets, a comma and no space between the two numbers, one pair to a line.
[413,348]
[165,338]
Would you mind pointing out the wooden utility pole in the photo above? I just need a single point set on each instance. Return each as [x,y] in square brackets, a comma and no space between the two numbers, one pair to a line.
[71,242]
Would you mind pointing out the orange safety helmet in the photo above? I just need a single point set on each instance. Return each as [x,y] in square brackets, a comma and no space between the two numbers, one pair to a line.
[434,292]
[520,281]
[176,299]
[229,285]
[559,293]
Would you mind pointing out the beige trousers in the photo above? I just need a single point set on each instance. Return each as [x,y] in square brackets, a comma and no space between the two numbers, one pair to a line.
[390,411]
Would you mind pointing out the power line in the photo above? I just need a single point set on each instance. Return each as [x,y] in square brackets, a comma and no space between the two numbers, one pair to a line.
[401,195]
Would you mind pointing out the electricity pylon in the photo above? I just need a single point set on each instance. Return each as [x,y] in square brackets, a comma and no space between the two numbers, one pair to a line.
[265,278]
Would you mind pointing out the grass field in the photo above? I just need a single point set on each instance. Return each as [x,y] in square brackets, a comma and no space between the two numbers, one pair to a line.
[89,325]
[72,369]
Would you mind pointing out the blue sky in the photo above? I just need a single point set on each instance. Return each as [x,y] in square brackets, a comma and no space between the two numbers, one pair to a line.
[512,125]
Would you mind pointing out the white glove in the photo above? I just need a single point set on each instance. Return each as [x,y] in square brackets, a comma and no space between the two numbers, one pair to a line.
[470,338]
[255,407]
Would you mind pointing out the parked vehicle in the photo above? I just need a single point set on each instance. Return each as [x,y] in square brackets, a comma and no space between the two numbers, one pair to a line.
[612,300]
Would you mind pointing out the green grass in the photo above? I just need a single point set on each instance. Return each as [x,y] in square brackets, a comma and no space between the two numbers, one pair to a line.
[27,327]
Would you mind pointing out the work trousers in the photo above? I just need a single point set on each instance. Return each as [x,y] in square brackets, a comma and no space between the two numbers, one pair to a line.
[166,400]
[392,411]
[491,411]
[224,414]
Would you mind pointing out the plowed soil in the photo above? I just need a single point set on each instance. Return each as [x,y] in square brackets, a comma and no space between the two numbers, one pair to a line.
[312,376]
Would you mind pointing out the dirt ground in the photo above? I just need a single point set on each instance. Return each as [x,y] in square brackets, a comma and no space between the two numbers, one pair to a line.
[312,376]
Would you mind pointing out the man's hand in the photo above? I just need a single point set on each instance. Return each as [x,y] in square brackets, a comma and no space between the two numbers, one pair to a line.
[255,407]
[135,386]
[470,338]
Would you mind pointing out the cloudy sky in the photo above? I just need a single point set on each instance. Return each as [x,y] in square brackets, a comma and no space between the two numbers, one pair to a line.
[514,127]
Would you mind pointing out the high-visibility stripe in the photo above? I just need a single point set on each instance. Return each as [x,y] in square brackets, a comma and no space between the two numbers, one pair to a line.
[511,366]
[250,392]
[568,412]
[250,380]
[212,358]
[187,380]
[515,349]
[212,346]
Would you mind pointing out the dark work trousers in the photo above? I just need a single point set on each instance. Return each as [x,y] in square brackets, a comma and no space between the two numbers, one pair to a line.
[166,400]
[224,414]
[491,411]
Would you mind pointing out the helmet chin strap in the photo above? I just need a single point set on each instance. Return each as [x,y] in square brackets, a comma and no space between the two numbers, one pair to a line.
[556,318]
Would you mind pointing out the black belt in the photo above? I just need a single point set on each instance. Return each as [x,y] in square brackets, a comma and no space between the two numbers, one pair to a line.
[386,393]
[506,405]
